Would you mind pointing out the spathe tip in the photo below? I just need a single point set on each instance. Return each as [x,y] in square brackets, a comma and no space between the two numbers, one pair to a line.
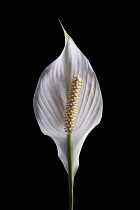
[62,27]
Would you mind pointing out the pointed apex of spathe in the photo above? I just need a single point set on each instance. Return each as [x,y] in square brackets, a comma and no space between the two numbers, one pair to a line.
[62,26]
[65,33]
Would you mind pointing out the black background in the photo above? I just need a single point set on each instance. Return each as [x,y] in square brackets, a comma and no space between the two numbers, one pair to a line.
[39,177]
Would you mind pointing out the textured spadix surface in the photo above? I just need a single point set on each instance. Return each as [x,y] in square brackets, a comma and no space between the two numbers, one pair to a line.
[51,95]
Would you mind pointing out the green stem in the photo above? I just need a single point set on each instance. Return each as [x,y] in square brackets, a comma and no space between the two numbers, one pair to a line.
[70,169]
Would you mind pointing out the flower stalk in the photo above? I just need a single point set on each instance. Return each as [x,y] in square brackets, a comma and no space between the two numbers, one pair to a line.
[70,169]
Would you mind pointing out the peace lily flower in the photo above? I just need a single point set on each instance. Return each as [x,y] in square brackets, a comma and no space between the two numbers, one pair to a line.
[68,105]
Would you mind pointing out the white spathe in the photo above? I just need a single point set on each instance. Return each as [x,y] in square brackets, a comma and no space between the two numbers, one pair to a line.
[51,95]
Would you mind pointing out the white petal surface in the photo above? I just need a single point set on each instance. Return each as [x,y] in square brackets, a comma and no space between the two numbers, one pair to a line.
[51,95]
